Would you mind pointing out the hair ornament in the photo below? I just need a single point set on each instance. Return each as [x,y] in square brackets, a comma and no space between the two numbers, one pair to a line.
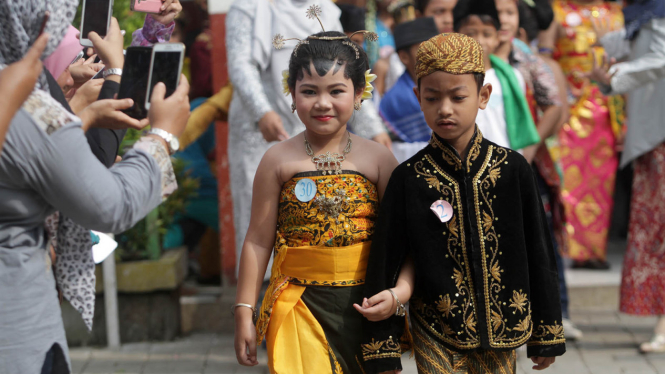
[314,11]
[369,78]
[285,82]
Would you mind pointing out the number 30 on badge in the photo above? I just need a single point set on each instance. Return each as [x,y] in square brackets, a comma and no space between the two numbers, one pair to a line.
[443,210]
[305,190]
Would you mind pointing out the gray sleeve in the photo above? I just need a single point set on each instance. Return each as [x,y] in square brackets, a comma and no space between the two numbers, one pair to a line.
[243,72]
[615,44]
[63,171]
[366,122]
[645,69]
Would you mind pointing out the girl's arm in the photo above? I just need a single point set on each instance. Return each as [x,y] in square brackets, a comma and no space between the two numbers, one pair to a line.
[256,252]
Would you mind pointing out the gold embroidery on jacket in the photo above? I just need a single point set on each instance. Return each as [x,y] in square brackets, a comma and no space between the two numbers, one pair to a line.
[449,156]
[384,348]
[548,335]
[498,331]
[462,304]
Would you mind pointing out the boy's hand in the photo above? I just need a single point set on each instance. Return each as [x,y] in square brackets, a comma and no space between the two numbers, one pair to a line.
[378,308]
[542,363]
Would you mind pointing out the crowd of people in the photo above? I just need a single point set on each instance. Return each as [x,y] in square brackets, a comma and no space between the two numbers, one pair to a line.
[405,174]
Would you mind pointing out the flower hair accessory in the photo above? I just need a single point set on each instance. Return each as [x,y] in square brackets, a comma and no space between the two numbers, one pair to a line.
[314,11]
[285,82]
[369,78]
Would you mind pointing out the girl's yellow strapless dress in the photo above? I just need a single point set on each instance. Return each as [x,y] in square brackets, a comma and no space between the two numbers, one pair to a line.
[321,251]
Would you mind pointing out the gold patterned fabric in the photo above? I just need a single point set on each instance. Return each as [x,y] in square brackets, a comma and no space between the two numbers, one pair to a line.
[434,358]
[451,53]
[321,252]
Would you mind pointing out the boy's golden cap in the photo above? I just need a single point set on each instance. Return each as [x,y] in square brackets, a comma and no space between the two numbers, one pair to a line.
[451,53]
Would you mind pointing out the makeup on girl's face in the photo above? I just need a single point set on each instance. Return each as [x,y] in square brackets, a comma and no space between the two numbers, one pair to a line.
[325,103]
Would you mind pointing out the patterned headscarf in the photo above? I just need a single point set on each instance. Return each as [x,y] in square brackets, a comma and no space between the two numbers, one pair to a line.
[20,21]
[451,53]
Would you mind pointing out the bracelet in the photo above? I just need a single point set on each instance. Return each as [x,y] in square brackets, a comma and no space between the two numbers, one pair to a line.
[545,50]
[401,310]
[114,71]
[233,309]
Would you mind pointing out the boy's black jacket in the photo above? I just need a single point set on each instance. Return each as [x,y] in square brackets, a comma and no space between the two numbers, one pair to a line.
[486,279]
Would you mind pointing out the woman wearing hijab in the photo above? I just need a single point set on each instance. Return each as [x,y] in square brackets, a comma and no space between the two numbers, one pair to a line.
[642,77]
[260,114]
[47,165]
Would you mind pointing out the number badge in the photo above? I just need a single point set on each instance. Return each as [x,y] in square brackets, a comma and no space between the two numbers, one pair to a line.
[443,210]
[305,190]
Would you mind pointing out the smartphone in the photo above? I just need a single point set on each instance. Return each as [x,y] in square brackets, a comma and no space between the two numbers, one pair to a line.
[134,82]
[165,67]
[146,6]
[96,16]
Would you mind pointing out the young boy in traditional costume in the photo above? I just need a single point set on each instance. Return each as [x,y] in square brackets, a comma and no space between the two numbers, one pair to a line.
[315,201]
[462,235]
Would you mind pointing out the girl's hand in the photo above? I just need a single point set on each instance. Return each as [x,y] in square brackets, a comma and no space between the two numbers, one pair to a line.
[379,307]
[542,363]
[245,338]
[601,73]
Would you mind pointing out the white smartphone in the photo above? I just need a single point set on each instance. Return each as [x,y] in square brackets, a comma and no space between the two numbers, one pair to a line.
[165,67]
[96,16]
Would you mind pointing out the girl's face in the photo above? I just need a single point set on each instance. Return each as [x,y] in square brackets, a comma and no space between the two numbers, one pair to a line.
[325,104]
[509,18]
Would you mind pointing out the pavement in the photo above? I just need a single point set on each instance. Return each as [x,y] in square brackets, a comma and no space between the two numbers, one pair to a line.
[609,346]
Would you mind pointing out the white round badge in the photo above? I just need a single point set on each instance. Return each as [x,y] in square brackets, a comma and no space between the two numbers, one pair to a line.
[305,190]
[443,210]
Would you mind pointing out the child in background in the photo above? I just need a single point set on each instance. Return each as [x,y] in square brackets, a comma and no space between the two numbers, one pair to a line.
[315,201]
[507,120]
[463,225]
[440,10]
[399,107]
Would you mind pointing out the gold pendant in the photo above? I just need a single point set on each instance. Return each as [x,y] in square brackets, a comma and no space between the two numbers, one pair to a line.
[329,163]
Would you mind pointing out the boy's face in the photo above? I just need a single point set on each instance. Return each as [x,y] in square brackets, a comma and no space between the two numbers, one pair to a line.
[442,12]
[509,18]
[485,34]
[408,58]
[450,103]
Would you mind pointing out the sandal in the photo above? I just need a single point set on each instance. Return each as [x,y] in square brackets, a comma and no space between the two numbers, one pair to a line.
[656,345]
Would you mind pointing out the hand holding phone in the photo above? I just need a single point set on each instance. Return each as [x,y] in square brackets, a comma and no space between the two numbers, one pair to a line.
[165,67]
[134,82]
[169,11]
[170,113]
[95,18]
[109,49]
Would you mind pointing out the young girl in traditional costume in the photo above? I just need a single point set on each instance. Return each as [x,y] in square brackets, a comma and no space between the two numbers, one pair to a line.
[320,191]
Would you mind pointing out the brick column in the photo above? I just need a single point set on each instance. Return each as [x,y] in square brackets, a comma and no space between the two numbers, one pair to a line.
[217,10]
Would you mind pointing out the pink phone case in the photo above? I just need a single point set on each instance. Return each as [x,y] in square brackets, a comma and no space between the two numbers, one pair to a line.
[146,6]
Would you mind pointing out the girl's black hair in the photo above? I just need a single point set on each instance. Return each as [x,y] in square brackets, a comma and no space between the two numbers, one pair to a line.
[326,53]
[528,20]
